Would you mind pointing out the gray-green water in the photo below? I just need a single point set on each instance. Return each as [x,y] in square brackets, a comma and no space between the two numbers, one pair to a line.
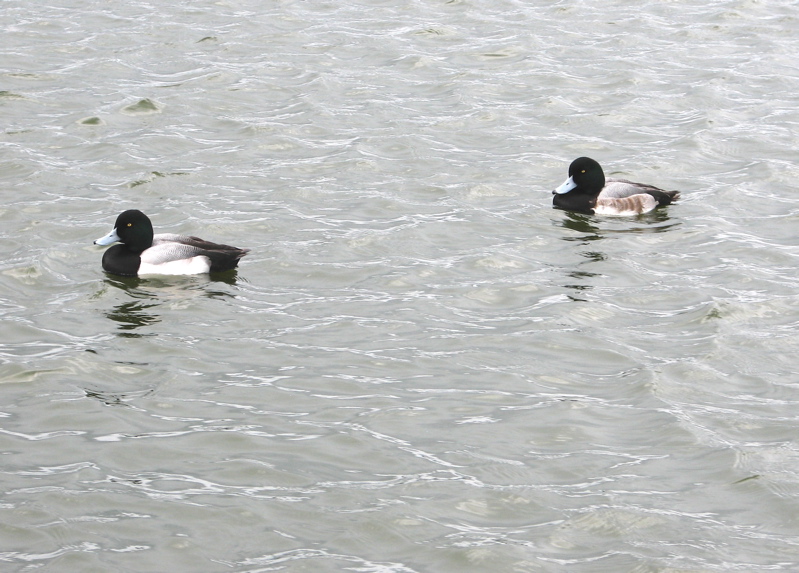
[421,367]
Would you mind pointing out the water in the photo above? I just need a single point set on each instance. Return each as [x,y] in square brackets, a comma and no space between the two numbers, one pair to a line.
[420,367]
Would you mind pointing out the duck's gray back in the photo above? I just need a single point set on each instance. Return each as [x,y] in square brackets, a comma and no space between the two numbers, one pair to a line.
[619,188]
[169,247]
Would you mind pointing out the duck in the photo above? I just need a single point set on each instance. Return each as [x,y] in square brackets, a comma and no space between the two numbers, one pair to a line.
[587,191]
[143,253]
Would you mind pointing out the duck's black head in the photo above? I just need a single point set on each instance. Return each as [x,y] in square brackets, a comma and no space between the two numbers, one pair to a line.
[579,192]
[585,176]
[132,228]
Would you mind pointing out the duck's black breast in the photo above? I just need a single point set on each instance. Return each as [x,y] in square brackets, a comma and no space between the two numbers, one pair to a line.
[119,260]
[576,200]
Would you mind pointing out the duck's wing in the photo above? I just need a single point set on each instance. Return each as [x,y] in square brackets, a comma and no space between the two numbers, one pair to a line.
[167,251]
[169,247]
[194,242]
[620,188]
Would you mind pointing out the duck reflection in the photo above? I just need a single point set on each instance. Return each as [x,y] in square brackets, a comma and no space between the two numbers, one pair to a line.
[583,224]
[131,316]
[150,294]
[588,225]
[116,398]
[588,232]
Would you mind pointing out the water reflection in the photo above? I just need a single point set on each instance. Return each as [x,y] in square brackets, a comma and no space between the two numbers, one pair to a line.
[581,276]
[151,293]
[583,224]
[590,228]
[588,232]
[132,315]
[657,221]
[115,398]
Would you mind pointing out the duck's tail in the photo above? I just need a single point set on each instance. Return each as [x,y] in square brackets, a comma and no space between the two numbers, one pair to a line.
[664,197]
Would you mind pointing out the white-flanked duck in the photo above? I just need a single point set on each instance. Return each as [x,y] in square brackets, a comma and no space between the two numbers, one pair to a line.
[143,253]
[587,191]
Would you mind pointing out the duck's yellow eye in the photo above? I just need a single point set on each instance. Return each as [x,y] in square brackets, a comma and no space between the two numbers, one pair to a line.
[131,224]
[583,171]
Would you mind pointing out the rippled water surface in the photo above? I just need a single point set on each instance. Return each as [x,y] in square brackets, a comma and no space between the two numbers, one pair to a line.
[421,366]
